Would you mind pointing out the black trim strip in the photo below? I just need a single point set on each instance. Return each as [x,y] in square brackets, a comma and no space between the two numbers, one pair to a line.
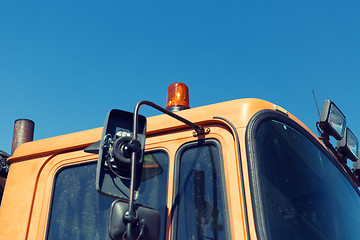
[237,141]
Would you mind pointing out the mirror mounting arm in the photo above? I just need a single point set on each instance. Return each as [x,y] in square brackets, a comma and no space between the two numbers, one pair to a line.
[130,216]
[325,139]
[198,130]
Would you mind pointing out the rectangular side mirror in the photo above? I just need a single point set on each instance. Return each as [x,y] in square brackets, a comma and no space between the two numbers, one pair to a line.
[147,225]
[114,164]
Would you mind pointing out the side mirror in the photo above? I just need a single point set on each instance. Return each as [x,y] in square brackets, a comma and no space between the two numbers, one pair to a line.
[4,167]
[146,222]
[332,120]
[348,145]
[114,163]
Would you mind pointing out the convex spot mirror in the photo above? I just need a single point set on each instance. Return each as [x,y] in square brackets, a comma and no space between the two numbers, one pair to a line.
[348,145]
[332,120]
[147,225]
[114,163]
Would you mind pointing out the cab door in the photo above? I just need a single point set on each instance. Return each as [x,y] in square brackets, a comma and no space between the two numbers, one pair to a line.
[67,205]
[204,199]
[192,181]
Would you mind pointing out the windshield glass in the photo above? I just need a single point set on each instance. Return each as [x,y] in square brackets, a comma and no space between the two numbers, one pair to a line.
[300,193]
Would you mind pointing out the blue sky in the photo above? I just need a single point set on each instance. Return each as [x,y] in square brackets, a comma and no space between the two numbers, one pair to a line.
[65,64]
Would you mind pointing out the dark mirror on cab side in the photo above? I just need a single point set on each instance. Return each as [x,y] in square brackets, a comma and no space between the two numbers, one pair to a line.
[120,163]
[147,228]
[113,170]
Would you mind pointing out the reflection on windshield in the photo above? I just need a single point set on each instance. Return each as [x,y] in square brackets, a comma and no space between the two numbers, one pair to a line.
[304,196]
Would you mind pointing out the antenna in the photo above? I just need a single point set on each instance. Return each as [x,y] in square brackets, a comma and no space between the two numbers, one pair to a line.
[316,102]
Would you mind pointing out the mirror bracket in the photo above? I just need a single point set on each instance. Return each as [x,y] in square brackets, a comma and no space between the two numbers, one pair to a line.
[125,151]
[146,222]
[130,217]
[325,139]
[198,129]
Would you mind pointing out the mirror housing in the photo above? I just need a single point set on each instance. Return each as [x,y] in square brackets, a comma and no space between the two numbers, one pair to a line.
[146,226]
[332,120]
[4,167]
[348,145]
[114,163]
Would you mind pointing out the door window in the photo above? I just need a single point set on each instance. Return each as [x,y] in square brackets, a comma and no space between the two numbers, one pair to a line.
[200,201]
[79,212]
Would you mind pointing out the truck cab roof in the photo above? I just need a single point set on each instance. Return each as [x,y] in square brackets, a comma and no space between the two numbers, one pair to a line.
[236,111]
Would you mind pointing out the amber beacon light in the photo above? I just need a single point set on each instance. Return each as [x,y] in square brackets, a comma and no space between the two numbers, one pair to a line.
[177,97]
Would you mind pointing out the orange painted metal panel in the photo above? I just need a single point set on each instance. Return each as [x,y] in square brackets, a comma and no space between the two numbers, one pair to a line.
[18,196]
[26,200]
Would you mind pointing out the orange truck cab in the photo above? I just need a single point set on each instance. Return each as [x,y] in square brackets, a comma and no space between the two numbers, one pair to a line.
[243,169]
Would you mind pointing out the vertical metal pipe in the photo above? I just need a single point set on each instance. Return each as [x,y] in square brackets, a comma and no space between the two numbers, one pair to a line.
[23,132]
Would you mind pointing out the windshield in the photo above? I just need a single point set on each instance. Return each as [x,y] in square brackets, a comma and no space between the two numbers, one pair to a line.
[299,192]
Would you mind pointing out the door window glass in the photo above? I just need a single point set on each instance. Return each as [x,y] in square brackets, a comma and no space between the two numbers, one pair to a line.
[79,212]
[201,194]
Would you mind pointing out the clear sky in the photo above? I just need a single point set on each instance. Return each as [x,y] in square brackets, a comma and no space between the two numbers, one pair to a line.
[65,64]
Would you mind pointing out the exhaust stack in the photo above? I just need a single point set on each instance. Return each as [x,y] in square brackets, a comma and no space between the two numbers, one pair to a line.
[23,132]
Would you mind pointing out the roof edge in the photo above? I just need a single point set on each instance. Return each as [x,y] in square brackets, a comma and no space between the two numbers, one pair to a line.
[56,144]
